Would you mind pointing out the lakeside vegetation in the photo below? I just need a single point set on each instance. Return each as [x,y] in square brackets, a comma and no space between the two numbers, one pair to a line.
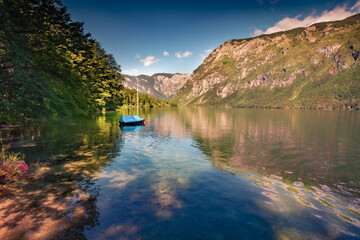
[10,164]
[50,68]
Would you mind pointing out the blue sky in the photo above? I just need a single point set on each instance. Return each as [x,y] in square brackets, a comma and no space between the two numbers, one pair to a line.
[148,37]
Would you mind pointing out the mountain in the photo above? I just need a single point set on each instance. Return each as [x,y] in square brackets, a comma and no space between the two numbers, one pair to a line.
[313,68]
[159,85]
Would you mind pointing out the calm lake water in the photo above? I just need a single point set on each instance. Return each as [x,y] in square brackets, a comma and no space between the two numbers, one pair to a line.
[194,173]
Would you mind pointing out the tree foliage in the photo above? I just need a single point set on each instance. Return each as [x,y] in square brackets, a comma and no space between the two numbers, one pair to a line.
[49,67]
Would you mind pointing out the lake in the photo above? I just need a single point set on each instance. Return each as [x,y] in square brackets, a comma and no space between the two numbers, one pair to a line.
[189,173]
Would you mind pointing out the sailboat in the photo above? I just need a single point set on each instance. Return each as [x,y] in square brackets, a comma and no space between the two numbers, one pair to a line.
[131,120]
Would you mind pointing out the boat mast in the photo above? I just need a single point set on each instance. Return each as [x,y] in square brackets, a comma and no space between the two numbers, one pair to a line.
[137,96]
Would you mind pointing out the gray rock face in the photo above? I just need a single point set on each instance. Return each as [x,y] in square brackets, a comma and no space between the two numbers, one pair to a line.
[329,50]
[159,85]
[249,72]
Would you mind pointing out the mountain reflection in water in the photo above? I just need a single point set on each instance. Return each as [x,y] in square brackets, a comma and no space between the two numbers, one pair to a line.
[192,173]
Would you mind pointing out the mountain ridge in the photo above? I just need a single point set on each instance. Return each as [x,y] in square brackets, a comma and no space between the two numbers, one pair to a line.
[159,85]
[312,67]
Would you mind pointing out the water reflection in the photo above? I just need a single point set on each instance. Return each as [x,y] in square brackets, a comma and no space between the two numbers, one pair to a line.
[190,173]
[308,156]
[310,147]
[125,129]
[59,199]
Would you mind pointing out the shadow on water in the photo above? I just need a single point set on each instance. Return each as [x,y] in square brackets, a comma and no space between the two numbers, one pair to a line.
[58,199]
[189,174]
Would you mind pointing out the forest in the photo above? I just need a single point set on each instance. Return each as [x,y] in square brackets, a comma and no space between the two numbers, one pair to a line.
[49,67]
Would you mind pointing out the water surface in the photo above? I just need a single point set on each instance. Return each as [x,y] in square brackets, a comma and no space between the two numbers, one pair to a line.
[191,173]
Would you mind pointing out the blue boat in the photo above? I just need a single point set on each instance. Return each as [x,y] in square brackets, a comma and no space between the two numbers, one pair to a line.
[133,128]
[131,120]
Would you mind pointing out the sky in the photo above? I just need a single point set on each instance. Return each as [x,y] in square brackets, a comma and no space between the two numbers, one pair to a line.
[174,36]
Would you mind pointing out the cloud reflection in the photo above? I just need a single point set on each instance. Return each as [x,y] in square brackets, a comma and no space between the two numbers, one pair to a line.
[117,179]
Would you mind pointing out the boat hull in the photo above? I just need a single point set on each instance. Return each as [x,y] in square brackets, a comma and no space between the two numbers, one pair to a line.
[131,123]
[131,120]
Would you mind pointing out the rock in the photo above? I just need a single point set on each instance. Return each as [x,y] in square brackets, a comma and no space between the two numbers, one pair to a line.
[225,91]
[329,50]
[159,85]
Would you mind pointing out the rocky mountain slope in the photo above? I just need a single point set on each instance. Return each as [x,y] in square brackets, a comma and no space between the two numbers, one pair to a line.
[159,85]
[314,67]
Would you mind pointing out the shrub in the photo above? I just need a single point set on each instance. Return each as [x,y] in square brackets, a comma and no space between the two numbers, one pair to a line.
[12,165]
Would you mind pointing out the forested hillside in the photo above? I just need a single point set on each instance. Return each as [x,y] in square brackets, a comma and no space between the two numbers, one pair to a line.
[49,67]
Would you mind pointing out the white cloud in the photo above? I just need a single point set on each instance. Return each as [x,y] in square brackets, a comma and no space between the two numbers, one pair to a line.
[338,13]
[132,71]
[149,60]
[187,54]
[356,7]
[183,55]
[257,32]
[166,53]
[207,52]
[137,56]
